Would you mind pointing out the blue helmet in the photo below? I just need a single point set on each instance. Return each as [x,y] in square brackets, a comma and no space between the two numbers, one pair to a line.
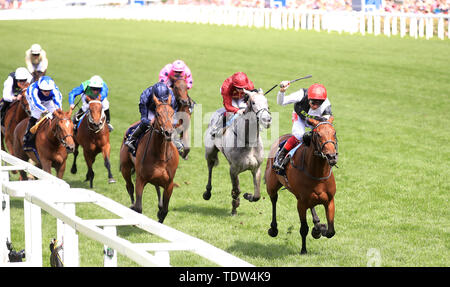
[161,91]
[46,83]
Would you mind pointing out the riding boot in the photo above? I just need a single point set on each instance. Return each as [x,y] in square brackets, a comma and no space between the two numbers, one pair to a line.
[108,118]
[76,120]
[179,145]
[29,137]
[5,107]
[131,141]
[278,163]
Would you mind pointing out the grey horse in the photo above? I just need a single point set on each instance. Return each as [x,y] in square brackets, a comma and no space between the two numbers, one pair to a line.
[241,144]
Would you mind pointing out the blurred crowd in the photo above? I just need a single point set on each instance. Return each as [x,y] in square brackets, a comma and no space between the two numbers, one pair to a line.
[406,6]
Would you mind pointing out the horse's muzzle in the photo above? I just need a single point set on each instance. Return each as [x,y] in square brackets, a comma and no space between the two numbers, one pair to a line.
[70,148]
[332,158]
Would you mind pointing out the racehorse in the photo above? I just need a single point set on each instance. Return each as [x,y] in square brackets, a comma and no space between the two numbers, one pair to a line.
[17,111]
[53,140]
[93,136]
[185,107]
[310,178]
[156,160]
[242,146]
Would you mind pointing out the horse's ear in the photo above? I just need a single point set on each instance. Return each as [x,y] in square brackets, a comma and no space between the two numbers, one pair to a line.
[331,119]
[156,101]
[169,100]
[313,122]
[70,111]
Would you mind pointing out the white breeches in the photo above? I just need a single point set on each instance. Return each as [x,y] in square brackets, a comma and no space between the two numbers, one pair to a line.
[85,107]
[36,113]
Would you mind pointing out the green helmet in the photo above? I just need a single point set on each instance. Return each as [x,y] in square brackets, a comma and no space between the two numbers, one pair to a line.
[96,82]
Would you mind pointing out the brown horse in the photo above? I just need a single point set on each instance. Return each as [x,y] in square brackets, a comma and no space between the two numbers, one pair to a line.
[54,140]
[310,178]
[17,111]
[156,160]
[185,107]
[93,136]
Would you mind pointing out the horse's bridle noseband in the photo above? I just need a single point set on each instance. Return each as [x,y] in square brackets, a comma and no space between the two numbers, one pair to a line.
[96,128]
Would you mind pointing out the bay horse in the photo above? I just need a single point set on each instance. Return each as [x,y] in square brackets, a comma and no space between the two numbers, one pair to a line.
[93,136]
[53,138]
[156,160]
[183,115]
[310,178]
[242,146]
[17,111]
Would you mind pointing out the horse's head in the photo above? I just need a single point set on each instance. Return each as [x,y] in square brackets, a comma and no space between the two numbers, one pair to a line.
[25,105]
[324,140]
[163,118]
[62,127]
[257,102]
[96,116]
[180,90]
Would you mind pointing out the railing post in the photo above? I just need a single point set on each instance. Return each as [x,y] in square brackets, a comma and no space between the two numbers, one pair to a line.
[110,255]
[33,233]
[67,236]
[5,227]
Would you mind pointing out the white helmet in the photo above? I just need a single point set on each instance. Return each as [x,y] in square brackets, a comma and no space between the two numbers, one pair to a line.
[36,49]
[46,83]
[96,82]
[23,74]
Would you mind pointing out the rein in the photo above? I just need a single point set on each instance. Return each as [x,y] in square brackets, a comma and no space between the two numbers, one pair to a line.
[55,131]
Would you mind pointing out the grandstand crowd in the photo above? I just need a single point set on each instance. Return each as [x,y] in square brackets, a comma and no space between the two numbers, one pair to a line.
[402,6]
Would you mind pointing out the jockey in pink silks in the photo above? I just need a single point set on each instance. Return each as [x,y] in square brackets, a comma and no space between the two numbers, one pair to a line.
[176,70]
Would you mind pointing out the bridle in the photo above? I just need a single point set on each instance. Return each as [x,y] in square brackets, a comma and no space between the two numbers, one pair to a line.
[57,128]
[92,125]
[318,150]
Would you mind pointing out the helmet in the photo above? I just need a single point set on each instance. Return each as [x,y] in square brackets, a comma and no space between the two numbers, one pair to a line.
[317,92]
[239,80]
[23,74]
[161,91]
[178,66]
[96,82]
[36,49]
[46,83]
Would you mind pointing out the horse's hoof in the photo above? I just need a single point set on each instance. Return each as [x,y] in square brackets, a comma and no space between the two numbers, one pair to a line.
[206,195]
[135,209]
[161,216]
[251,197]
[273,232]
[111,180]
[330,234]
[316,233]
[73,170]
[303,252]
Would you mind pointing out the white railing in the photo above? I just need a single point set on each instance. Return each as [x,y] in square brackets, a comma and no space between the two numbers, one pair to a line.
[389,24]
[59,200]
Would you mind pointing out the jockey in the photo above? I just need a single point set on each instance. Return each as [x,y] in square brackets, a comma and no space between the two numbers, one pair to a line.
[16,83]
[176,70]
[94,89]
[36,61]
[311,103]
[232,91]
[43,97]
[147,110]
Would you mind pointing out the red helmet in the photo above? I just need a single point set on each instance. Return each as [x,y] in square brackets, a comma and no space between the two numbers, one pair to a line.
[317,92]
[240,80]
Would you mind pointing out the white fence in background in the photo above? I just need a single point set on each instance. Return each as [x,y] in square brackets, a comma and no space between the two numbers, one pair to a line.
[389,24]
[59,200]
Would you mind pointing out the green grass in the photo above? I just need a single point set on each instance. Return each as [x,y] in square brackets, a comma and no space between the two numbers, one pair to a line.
[390,97]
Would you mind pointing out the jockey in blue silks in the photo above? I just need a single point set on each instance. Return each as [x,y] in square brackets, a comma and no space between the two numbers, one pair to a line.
[43,96]
[147,110]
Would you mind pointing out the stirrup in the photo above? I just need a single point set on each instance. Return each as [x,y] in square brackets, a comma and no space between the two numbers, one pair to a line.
[179,145]
[110,127]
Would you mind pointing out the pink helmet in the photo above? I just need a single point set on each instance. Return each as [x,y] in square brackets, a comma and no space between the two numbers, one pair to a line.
[317,92]
[178,66]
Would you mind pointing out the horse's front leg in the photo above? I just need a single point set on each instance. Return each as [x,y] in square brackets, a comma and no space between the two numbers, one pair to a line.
[90,159]
[73,170]
[256,185]
[235,191]
[158,192]
[60,170]
[107,163]
[139,189]
[318,228]
[162,213]
[301,208]
[329,212]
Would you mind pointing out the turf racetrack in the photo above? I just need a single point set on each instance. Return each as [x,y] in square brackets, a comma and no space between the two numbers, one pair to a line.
[390,98]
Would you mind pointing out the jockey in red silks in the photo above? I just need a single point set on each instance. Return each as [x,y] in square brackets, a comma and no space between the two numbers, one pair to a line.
[308,103]
[174,71]
[232,91]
